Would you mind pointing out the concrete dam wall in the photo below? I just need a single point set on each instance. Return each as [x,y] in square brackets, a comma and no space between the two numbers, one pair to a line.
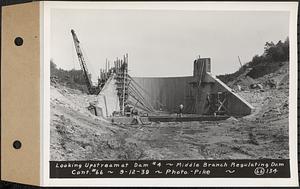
[194,92]
[164,94]
[201,94]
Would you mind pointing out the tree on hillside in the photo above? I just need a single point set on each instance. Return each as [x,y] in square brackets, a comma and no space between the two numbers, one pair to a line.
[286,47]
[72,78]
[278,52]
[268,62]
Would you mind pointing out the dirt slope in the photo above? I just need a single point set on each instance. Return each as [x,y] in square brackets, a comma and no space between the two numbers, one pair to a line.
[280,77]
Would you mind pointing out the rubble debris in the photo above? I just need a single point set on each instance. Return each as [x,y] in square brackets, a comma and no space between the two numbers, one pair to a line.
[239,88]
[252,139]
[256,86]
[54,79]
[271,83]
[232,119]
[95,110]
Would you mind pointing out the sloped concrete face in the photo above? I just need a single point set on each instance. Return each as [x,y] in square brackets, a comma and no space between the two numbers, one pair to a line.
[167,94]
[108,98]
[236,105]
[209,84]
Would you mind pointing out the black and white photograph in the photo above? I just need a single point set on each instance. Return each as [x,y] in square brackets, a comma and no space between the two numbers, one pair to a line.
[131,85]
[169,84]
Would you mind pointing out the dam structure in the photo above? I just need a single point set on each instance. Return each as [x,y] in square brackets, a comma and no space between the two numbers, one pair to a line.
[201,94]
[119,94]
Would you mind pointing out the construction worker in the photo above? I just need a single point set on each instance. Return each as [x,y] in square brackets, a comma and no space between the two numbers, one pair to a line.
[180,110]
[136,118]
[127,110]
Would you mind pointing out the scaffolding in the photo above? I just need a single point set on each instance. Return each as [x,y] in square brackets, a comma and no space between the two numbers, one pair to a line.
[122,81]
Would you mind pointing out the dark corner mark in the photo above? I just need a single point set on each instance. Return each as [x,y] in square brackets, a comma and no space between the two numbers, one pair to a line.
[13,2]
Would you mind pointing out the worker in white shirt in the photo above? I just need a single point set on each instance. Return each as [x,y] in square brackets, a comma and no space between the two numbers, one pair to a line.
[180,110]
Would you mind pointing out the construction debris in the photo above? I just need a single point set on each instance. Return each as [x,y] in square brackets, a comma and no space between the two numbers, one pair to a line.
[256,86]
[95,110]
[232,119]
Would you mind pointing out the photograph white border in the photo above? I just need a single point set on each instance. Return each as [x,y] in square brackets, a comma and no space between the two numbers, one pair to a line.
[45,17]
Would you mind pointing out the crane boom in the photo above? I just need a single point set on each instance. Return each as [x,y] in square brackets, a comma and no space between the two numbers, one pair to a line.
[240,61]
[82,63]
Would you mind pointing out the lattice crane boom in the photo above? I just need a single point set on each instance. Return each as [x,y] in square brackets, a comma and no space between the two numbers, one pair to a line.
[82,62]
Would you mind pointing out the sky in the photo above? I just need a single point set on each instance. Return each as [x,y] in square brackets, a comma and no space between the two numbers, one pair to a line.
[164,42]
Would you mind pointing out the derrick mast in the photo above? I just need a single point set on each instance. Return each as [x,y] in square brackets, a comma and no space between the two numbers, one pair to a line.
[91,89]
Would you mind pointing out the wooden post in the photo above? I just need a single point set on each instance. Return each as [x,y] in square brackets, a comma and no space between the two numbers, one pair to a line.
[105,65]
[123,98]
[240,61]
[125,67]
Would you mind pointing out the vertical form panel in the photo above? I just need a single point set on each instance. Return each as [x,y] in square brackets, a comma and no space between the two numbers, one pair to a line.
[208,65]
[20,94]
[169,91]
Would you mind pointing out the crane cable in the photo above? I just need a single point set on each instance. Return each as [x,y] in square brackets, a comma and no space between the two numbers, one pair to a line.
[141,96]
[142,105]
[147,93]
[134,94]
